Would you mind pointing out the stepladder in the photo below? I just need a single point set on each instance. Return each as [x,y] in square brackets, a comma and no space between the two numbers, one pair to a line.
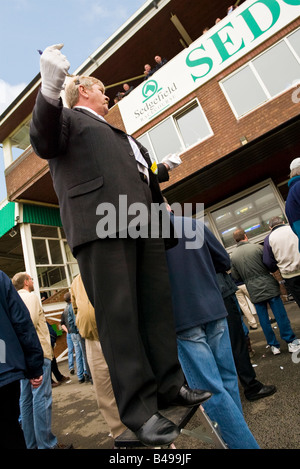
[205,431]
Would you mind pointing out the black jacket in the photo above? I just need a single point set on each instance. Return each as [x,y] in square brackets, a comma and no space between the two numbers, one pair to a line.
[91,163]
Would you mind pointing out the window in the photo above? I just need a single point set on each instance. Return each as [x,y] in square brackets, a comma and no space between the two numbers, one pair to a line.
[252,213]
[56,267]
[266,76]
[244,91]
[164,139]
[177,133]
[193,126]
[294,40]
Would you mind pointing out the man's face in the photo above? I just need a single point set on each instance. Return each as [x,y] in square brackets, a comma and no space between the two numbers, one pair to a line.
[97,101]
[29,283]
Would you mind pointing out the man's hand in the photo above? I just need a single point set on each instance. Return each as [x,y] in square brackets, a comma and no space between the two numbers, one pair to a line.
[36,382]
[172,161]
[54,67]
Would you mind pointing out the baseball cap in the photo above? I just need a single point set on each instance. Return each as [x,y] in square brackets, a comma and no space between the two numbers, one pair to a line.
[295,164]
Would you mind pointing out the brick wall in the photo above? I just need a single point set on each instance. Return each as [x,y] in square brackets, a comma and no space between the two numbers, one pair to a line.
[226,128]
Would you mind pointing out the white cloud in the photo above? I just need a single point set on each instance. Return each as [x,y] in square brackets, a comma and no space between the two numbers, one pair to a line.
[8,93]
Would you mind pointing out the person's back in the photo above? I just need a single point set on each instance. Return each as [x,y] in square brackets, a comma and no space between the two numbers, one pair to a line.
[284,247]
[193,275]
[203,341]
[247,265]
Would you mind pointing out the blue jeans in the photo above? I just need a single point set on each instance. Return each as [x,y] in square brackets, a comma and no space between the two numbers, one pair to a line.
[278,309]
[70,352]
[81,368]
[206,358]
[36,411]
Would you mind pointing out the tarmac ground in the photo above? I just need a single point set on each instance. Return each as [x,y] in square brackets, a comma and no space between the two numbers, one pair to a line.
[274,421]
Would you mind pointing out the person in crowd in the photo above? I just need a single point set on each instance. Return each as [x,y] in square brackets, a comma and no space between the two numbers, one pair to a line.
[147,71]
[292,204]
[86,323]
[247,266]
[127,89]
[94,166]
[230,9]
[72,329]
[21,357]
[65,327]
[203,340]
[243,298]
[54,367]
[281,252]
[36,403]
[253,389]
[159,62]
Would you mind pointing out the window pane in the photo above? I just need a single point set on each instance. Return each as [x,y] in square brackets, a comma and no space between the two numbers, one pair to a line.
[62,233]
[145,142]
[193,126]
[40,251]
[69,255]
[73,270]
[244,91]
[164,139]
[52,277]
[278,68]
[44,231]
[55,251]
[294,40]
[252,213]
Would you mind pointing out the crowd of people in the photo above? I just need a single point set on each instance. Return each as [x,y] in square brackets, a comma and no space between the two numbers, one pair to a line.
[154,323]
[158,63]
[148,72]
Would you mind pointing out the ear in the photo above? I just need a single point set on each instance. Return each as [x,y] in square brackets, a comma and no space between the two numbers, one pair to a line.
[82,91]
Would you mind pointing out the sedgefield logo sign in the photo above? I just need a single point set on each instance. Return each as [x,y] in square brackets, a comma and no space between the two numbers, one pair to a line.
[234,36]
[155,99]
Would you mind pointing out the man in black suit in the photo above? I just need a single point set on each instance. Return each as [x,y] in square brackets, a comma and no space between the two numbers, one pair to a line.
[96,169]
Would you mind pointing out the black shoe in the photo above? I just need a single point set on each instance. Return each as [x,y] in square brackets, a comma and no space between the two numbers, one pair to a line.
[264,392]
[157,431]
[82,380]
[72,371]
[190,397]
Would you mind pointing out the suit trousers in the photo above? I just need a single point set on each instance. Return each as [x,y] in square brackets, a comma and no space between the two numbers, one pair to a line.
[127,282]
[104,393]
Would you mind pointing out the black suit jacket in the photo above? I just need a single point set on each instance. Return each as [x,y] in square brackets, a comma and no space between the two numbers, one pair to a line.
[91,163]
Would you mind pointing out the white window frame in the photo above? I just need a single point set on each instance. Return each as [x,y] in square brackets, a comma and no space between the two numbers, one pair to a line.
[173,117]
[234,198]
[257,76]
[65,263]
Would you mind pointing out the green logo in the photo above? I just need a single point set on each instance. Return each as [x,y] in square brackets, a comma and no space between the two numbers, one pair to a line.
[149,89]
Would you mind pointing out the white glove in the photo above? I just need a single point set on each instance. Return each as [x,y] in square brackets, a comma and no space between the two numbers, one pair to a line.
[172,160]
[54,67]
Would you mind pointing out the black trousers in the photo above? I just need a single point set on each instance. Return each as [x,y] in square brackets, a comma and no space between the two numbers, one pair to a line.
[11,434]
[128,284]
[240,350]
[293,286]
